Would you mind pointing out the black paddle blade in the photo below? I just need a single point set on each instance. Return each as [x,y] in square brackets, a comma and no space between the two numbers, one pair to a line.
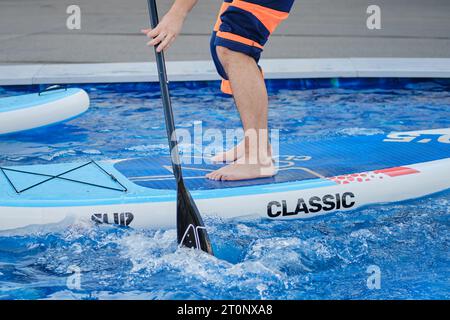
[190,228]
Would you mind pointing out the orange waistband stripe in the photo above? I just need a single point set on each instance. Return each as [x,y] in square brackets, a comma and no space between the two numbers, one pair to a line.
[235,37]
[270,18]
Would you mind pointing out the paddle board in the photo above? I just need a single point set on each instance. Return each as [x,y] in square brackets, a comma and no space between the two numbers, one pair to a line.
[30,111]
[315,178]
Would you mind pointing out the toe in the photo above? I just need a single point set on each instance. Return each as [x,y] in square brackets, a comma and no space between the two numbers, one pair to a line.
[214,175]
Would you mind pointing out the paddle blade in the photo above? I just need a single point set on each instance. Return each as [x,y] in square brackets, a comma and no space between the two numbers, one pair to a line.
[190,228]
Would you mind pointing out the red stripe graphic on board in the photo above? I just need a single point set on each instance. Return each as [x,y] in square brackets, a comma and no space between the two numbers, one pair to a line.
[397,171]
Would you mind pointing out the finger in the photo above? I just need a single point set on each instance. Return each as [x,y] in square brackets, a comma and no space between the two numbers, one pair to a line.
[160,37]
[150,33]
[170,43]
[156,41]
[164,44]
[154,32]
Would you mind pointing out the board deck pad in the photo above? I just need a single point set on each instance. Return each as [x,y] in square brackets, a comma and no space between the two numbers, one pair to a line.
[84,175]
[298,161]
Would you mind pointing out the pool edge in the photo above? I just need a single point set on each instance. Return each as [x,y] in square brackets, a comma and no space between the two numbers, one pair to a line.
[32,74]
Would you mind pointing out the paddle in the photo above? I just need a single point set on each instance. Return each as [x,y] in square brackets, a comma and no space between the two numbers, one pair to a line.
[190,228]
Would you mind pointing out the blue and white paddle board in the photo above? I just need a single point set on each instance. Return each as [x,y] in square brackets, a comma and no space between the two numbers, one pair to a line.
[30,111]
[315,178]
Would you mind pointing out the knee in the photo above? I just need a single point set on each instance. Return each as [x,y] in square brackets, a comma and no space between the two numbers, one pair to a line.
[225,55]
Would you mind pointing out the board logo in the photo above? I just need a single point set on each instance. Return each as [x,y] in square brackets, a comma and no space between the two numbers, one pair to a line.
[419,137]
[121,219]
[314,204]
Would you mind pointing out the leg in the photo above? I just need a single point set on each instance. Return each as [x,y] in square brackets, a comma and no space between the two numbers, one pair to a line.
[240,33]
[251,99]
[250,95]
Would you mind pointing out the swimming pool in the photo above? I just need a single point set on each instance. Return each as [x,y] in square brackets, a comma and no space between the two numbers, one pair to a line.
[322,258]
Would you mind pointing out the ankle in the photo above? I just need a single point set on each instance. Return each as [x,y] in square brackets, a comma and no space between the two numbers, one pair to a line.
[263,159]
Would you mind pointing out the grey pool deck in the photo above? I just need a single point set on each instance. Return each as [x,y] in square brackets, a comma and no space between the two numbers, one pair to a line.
[321,38]
[34,31]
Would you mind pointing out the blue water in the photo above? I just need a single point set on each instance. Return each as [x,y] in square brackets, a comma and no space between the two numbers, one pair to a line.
[322,258]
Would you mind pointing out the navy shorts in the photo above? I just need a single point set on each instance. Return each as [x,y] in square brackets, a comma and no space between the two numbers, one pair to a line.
[245,26]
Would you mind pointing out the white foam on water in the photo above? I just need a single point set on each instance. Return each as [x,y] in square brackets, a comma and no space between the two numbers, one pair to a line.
[148,147]
[360,131]
[91,151]
[58,154]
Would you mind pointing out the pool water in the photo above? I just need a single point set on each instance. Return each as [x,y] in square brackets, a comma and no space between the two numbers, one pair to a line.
[330,257]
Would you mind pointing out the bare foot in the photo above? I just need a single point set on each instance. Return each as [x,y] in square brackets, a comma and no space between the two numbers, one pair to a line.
[230,155]
[233,154]
[243,171]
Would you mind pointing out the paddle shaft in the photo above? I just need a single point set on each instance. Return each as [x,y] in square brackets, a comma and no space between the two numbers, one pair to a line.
[191,231]
[167,104]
